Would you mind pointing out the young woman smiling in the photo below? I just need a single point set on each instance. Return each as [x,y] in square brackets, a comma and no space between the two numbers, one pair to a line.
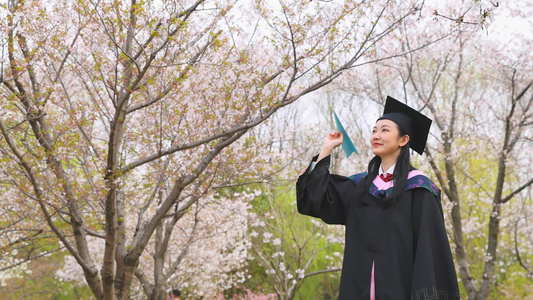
[396,245]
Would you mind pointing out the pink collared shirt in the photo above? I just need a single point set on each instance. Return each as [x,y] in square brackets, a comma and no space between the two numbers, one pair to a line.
[372,285]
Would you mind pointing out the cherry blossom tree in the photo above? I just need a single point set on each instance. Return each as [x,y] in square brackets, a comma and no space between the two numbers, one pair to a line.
[117,117]
[501,131]
[206,251]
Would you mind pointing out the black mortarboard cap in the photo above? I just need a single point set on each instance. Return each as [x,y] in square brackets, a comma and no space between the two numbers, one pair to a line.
[413,122]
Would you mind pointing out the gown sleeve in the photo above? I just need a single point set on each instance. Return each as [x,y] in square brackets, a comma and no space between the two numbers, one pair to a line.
[323,195]
[434,275]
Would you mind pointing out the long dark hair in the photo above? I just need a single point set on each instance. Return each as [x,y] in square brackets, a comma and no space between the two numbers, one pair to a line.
[401,171]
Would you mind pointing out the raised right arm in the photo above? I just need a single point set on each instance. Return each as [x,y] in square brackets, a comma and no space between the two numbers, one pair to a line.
[323,195]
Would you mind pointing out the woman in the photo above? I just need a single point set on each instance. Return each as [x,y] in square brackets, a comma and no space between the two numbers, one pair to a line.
[395,245]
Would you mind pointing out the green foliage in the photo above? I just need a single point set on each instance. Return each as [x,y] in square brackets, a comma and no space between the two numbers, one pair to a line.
[300,239]
[479,171]
[323,286]
[40,283]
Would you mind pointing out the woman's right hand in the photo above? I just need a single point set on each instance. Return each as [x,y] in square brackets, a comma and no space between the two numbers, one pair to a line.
[332,141]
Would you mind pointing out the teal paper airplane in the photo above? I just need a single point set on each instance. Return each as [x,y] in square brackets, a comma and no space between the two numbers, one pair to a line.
[347,144]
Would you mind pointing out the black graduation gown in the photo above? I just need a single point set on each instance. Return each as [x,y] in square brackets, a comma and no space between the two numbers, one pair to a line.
[406,240]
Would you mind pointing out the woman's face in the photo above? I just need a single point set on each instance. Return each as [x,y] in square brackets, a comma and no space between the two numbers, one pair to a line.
[386,141]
